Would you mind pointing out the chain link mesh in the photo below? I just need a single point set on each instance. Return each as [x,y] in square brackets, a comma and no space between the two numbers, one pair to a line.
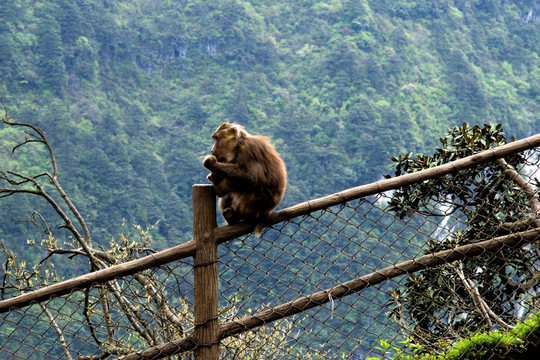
[317,252]
[304,255]
[132,318]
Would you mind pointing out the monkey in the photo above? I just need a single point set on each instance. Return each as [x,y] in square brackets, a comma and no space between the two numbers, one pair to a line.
[247,173]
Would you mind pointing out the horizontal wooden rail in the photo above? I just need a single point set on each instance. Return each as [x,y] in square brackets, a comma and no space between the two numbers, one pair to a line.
[407,267]
[226,233]
[65,287]
[339,291]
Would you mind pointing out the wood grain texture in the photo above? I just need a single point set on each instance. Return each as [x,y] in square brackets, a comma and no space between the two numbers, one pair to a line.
[205,276]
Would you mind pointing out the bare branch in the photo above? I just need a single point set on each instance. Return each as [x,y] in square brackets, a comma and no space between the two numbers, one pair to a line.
[473,293]
[520,224]
[58,331]
[34,221]
[24,178]
[107,315]
[74,210]
[524,185]
[160,301]
[86,242]
[480,303]
[26,141]
[4,192]
[38,135]
[525,286]
[132,314]
[67,222]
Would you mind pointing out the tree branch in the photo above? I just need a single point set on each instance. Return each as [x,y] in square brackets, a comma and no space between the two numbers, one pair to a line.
[481,306]
[86,242]
[132,314]
[524,185]
[160,302]
[58,330]
[41,138]
[525,286]
[74,210]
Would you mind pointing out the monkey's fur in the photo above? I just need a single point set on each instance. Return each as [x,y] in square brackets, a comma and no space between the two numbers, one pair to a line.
[248,175]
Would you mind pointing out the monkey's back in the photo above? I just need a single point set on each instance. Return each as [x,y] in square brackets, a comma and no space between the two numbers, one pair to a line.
[267,170]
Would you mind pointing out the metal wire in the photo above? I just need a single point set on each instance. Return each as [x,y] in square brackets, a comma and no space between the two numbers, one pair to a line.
[300,257]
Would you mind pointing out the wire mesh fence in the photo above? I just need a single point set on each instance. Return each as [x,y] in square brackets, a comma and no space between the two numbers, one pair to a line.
[426,311]
[114,318]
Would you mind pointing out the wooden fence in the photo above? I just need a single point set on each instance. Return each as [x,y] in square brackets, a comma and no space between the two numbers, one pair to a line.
[208,331]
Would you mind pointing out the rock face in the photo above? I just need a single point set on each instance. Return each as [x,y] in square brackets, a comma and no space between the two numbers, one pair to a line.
[155,54]
[532,16]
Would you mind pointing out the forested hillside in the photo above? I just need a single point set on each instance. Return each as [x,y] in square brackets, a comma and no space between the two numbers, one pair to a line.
[129,92]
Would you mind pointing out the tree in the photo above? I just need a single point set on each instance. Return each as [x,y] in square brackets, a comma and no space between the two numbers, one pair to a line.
[119,316]
[444,303]
[51,54]
[143,291]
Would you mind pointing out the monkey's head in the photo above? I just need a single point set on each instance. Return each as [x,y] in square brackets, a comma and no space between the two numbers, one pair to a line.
[226,140]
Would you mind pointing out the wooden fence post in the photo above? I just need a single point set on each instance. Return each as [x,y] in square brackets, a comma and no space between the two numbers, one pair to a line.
[205,268]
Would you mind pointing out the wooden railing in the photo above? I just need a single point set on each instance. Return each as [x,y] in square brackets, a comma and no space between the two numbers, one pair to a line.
[208,331]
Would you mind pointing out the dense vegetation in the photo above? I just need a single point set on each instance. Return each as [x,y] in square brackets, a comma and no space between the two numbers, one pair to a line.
[520,343]
[129,91]
[440,305]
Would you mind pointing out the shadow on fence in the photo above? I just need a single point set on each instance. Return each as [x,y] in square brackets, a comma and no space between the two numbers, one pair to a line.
[326,280]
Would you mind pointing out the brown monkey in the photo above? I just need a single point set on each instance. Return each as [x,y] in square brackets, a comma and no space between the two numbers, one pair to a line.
[247,173]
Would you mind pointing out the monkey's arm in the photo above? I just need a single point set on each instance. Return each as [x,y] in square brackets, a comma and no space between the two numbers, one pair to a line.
[236,175]
[222,186]
[214,178]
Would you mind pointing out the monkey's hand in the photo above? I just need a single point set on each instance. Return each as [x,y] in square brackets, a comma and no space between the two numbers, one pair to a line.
[210,161]
[214,179]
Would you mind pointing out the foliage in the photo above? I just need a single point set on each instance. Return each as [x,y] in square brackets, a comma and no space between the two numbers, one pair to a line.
[268,342]
[128,93]
[514,344]
[113,308]
[340,86]
[442,304]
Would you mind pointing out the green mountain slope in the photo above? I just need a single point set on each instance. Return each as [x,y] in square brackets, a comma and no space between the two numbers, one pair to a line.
[130,91]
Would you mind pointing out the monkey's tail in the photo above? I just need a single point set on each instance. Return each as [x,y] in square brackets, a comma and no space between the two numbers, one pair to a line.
[258,229]
[261,222]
